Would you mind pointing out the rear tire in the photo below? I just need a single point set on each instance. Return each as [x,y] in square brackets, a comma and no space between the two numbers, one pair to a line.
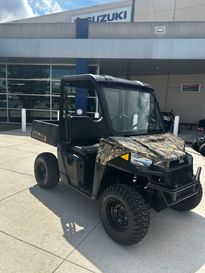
[191,202]
[124,214]
[46,170]
[202,149]
[195,146]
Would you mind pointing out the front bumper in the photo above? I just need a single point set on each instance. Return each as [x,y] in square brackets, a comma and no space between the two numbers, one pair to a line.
[174,196]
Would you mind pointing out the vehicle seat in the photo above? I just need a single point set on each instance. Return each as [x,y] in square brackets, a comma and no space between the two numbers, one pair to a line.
[86,150]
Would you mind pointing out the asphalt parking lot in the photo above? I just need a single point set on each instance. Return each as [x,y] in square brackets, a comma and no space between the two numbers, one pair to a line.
[59,230]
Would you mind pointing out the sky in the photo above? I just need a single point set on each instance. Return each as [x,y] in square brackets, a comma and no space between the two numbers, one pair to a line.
[17,9]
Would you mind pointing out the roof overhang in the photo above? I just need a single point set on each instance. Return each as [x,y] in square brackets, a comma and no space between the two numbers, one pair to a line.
[184,49]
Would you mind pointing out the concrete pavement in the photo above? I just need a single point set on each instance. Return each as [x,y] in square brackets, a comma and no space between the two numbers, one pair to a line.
[59,230]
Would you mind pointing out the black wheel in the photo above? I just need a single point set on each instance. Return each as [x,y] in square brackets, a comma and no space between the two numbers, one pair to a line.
[46,170]
[191,202]
[195,146]
[124,214]
[202,149]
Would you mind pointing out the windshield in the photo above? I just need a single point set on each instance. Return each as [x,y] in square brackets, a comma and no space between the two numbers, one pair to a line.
[132,110]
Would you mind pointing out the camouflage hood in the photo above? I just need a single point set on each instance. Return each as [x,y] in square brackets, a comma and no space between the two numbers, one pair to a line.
[158,148]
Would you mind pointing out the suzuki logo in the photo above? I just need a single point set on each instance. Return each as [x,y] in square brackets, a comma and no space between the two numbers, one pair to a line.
[110,17]
[115,15]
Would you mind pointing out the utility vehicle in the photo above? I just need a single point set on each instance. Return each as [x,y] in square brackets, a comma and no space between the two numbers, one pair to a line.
[199,143]
[168,120]
[111,146]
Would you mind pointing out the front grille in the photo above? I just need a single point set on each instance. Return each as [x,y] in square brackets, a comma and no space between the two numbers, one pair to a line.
[182,180]
[174,178]
[182,177]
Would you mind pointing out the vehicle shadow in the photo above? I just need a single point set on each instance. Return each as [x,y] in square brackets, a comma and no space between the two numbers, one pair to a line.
[175,242]
[76,212]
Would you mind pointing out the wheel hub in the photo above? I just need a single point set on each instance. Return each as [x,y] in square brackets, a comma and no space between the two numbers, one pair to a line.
[118,216]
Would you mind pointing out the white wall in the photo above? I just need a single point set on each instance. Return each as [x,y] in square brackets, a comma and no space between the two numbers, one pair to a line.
[190,106]
[169,10]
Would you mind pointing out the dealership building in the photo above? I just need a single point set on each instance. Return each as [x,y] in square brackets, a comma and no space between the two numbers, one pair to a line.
[155,41]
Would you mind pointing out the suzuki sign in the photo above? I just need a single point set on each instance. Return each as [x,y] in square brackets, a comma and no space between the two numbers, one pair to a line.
[114,15]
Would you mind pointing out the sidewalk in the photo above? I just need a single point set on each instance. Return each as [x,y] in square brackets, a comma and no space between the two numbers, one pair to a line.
[59,230]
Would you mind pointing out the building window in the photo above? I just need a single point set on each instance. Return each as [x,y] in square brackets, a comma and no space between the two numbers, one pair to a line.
[3,101]
[3,97]
[3,114]
[15,115]
[59,71]
[190,87]
[28,72]
[55,87]
[29,87]
[2,86]
[55,102]
[34,87]
[29,102]
[2,71]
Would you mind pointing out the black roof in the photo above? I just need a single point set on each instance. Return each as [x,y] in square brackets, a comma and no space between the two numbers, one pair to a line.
[105,78]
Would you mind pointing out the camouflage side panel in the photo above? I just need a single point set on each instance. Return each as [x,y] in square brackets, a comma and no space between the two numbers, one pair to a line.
[108,150]
[158,148]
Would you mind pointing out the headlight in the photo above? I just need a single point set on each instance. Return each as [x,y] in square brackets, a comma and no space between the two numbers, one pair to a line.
[139,160]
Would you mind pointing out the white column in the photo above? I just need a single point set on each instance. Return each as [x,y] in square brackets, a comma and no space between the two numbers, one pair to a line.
[23,120]
[176,126]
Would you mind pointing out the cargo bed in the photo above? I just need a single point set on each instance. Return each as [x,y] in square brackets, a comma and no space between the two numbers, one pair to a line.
[46,131]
